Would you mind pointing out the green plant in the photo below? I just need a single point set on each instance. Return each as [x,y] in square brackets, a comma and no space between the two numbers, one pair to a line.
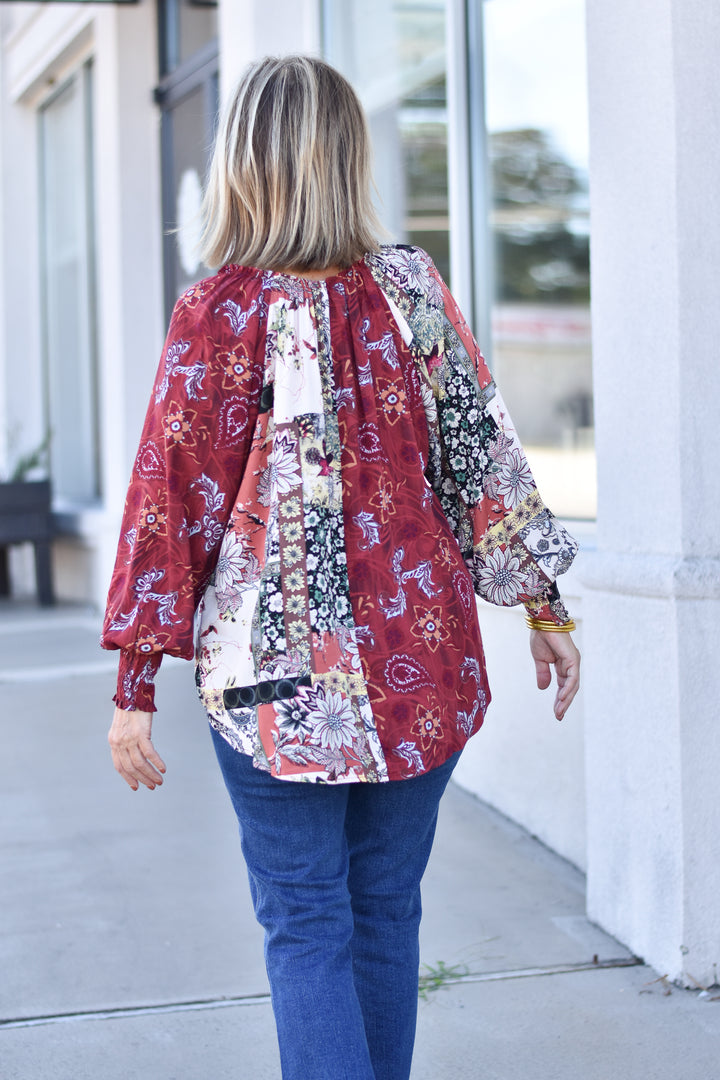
[34,460]
[437,975]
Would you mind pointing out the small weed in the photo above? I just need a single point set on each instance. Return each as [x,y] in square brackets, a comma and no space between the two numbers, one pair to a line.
[437,975]
[663,980]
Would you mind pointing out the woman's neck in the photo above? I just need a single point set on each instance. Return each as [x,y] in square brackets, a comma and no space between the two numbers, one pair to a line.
[312,275]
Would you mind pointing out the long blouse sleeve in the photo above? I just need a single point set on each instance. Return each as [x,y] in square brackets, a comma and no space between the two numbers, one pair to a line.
[186,473]
[512,544]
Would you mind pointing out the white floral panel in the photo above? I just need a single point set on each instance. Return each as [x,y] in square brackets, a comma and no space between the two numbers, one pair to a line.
[292,337]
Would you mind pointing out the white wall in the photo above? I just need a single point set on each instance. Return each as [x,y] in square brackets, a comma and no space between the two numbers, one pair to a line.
[522,761]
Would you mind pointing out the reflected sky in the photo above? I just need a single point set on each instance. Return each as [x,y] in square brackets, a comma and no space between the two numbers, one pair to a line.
[535,66]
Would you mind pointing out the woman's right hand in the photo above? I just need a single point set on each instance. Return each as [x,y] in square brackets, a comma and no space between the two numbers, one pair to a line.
[133,753]
[558,649]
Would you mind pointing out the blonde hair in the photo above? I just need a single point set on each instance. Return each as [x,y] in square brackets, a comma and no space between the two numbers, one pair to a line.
[289,181]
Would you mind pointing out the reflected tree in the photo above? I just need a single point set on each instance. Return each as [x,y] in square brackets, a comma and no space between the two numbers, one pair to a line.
[539,220]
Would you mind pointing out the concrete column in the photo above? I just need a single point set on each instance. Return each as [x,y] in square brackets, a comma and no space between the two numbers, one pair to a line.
[652,609]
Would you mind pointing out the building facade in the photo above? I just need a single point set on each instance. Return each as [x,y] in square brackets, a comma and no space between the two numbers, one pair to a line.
[488,150]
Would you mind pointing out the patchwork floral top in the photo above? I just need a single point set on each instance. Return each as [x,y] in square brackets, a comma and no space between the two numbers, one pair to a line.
[325,473]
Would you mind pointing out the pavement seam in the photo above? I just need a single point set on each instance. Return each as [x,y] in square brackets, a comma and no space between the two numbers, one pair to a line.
[125,1012]
[551,969]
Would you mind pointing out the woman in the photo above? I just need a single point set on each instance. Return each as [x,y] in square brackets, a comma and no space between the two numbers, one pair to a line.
[326,471]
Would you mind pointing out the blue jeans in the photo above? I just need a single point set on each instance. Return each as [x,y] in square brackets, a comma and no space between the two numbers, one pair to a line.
[335,873]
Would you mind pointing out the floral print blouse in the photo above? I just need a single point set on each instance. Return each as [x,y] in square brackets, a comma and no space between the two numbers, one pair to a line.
[326,476]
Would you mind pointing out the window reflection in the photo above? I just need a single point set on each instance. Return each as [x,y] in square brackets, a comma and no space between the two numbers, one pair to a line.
[539,218]
[394,55]
[185,27]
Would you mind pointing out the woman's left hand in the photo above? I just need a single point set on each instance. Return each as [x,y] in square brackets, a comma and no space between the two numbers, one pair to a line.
[556,648]
[133,753]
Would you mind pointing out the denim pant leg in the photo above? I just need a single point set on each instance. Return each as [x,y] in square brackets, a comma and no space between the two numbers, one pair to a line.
[293,840]
[390,829]
[343,970]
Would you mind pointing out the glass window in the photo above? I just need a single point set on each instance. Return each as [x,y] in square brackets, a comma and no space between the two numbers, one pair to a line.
[68,294]
[185,27]
[394,55]
[536,113]
[186,163]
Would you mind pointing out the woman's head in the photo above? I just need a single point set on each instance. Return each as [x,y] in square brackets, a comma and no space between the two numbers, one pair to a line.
[289,183]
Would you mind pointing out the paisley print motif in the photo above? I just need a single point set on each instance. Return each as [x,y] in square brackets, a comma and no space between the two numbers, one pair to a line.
[232,422]
[150,464]
[404,674]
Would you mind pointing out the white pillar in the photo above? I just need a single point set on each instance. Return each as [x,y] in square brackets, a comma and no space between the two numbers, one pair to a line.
[652,610]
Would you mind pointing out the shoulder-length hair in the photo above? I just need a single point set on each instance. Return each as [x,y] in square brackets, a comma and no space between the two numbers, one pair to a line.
[289,182]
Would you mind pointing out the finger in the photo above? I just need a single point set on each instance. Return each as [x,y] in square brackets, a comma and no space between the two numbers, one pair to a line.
[542,674]
[567,699]
[138,770]
[568,675]
[129,780]
[133,754]
[143,770]
[126,767]
[566,692]
[569,689]
[120,769]
[152,755]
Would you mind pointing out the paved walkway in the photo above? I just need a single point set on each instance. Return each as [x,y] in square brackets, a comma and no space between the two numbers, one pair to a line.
[128,949]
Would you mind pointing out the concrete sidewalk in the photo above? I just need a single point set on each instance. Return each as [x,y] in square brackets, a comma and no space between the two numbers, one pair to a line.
[128,948]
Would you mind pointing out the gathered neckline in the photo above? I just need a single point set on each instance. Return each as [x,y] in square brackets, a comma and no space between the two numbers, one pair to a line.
[299,279]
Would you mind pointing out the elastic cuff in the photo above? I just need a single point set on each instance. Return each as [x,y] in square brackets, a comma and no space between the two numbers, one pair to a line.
[135,685]
[138,702]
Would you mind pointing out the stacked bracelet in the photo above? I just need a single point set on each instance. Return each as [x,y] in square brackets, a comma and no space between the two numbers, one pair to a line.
[546,624]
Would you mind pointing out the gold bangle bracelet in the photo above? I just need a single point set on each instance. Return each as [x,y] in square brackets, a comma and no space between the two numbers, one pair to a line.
[545,624]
